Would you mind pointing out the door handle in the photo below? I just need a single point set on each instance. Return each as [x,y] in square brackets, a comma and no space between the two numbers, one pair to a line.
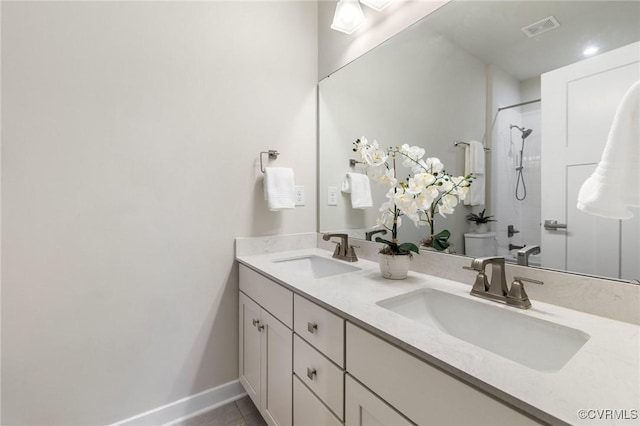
[312,327]
[553,225]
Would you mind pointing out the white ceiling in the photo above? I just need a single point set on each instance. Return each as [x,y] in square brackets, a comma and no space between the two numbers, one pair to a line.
[491,31]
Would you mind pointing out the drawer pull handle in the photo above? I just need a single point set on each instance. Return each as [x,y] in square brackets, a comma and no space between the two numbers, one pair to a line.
[258,325]
[312,327]
[311,373]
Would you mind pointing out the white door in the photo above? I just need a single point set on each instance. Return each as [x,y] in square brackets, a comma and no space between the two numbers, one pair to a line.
[578,105]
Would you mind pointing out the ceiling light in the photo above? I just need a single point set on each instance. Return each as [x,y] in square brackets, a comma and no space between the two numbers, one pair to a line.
[376,5]
[348,16]
[590,50]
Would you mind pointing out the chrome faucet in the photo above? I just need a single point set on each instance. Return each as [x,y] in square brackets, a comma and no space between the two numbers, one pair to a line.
[525,252]
[343,250]
[496,289]
[369,234]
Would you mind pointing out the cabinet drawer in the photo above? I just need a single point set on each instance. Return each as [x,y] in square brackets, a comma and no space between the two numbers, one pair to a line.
[308,410]
[321,328]
[320,375]
[273,297]
[421,392]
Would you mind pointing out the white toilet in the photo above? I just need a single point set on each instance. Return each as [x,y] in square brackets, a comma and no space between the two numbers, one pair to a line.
[480,245]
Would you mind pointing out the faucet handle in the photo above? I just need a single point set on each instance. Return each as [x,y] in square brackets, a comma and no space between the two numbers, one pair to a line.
[481,285]
[472,268]
[528,280]
[351,254]
[517,296]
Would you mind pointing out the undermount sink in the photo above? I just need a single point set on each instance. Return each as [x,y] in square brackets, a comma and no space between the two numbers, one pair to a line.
[313,266]
[532,342]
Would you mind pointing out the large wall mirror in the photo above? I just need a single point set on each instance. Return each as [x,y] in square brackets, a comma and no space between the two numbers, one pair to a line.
[536,82]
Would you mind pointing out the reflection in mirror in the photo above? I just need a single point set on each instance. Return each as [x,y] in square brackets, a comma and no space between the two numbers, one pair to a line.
[476,71]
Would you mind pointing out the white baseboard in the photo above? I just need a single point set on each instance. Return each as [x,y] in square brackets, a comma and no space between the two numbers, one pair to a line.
[187,407]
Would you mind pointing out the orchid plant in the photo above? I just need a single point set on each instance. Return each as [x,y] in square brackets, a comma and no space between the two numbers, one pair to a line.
[427,190]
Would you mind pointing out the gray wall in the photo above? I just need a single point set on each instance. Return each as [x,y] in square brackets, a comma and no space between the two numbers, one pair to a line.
[130,142]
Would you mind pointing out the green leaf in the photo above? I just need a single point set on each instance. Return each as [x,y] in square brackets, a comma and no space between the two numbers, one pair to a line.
[441,240]
[442,235]
[408,247]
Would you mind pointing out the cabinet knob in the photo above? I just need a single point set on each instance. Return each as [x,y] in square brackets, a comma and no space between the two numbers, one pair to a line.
[311,373]
[312,327]
[257,324]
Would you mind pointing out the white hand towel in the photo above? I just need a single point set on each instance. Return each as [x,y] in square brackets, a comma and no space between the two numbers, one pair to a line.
[474,163]
[358,185]
[279,188]
[615,184]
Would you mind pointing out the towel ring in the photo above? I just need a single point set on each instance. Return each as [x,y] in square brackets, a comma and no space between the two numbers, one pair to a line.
[273,154]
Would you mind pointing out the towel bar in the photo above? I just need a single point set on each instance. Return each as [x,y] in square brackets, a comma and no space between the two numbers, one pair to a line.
[456,143]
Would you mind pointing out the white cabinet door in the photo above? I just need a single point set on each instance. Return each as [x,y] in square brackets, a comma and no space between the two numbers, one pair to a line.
[363,408]
[277,372]
[250,346]
[266,362]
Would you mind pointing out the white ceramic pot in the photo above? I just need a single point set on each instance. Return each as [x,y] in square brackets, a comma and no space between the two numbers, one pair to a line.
[394,267]
[482,228]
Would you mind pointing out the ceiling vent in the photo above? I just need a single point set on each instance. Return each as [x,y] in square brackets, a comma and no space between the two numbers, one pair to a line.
[542,26]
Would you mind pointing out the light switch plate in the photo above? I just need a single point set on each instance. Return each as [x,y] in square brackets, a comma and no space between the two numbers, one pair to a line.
[332,196]
[299,193]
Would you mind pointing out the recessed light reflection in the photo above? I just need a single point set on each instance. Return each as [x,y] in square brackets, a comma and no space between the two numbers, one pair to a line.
[589,51]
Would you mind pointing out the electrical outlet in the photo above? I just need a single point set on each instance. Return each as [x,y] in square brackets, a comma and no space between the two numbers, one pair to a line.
[332,196]
[299,195]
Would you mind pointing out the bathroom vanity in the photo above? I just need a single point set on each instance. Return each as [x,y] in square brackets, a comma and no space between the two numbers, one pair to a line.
[326,342]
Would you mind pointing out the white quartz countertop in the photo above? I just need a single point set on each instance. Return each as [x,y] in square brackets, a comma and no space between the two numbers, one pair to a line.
[603,375]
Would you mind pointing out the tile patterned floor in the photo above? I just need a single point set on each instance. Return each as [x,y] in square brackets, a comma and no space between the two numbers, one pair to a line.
[238,413]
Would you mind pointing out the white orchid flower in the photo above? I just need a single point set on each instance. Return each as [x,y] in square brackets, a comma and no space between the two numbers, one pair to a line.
[463,192]
[447,204]
[375,157]
[446,186]
[425,198]
[431,191]
[389,178]
[424,179]
[414,187]
[386,219]
[433,165]
[462,186]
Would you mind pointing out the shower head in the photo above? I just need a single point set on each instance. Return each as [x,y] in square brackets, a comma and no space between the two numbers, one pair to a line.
[525,132]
